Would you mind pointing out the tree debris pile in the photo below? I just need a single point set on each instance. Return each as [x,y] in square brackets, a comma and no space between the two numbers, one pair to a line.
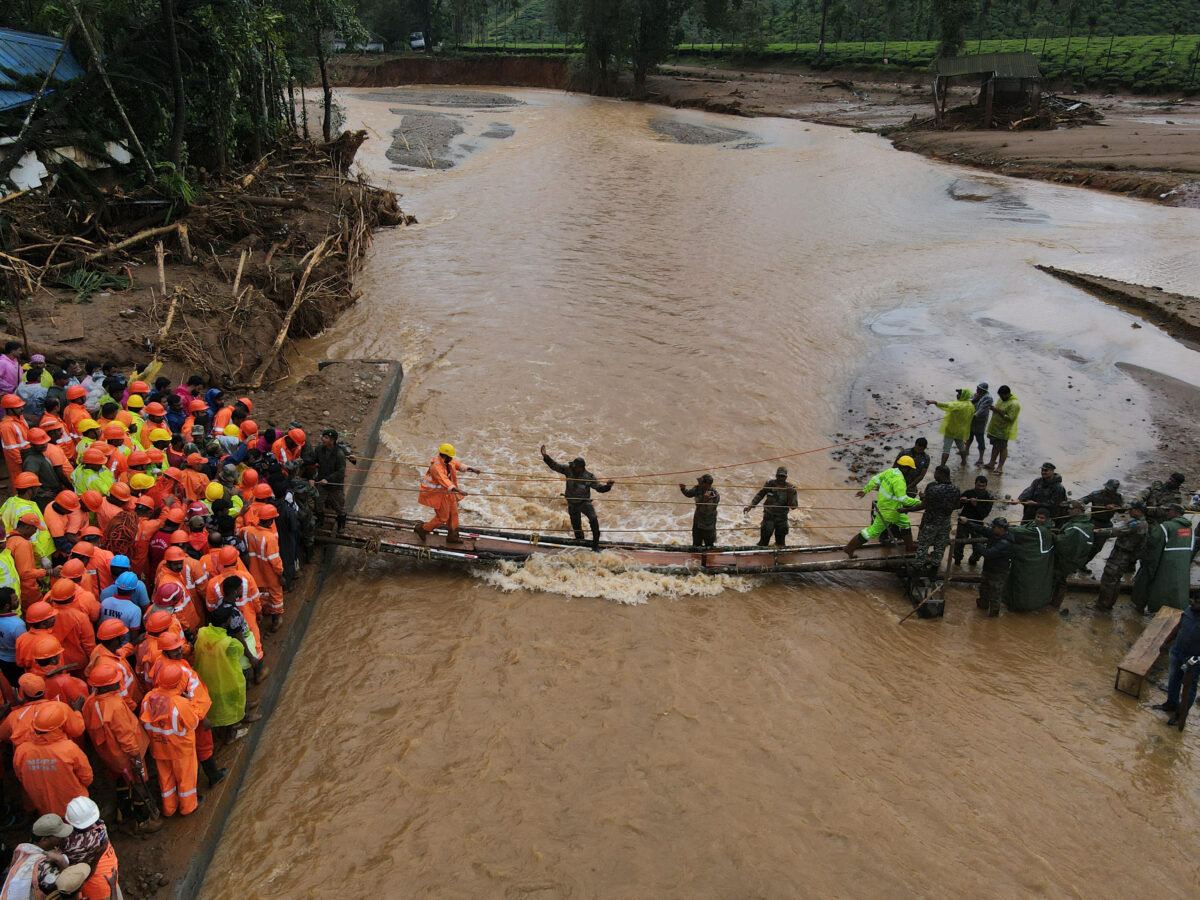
[1052,112]
[212,279]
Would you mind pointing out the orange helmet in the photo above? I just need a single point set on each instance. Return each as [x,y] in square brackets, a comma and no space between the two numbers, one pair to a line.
[111,628]
[263,491]
[37,436]
[32,686]
[39,612]
[245,401]
[46,645]
[64,589]
[195,459]
[157,622]
[120,491]
[228,557]
[170,675]
[249,427]
[93,500]
[11,401]
[173,554]
[103,674]
[93,456]
[76,392]
[267,512]
[114,431]
[197,406]
[26,480]
[139,387]
[67,500]
[139,458]
[249,478]
[297,435]
[155,409]
[74,568]
[49,716]
[169,641]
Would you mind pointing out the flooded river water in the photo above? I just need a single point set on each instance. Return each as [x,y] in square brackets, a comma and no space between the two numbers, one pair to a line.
[659,291]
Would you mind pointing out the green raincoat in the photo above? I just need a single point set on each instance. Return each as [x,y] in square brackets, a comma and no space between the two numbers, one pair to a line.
[1031,578]
[219,665]
[1164,576]
[959,413]
[1073,546]
[1005,428]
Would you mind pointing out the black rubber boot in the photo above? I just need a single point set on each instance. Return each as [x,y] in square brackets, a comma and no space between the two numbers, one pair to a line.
[341,524]
[211,772]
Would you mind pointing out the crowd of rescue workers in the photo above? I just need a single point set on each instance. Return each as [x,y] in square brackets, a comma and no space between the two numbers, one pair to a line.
[153,530]
[149,539]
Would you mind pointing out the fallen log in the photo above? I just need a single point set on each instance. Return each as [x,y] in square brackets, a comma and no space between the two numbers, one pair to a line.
[132,241]
[275,202]
[314,257]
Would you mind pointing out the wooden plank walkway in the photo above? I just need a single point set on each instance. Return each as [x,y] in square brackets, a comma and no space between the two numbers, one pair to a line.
[1131,673]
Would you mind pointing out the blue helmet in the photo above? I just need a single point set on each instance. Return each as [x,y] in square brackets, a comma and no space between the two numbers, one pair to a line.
[119,562]
[127,582]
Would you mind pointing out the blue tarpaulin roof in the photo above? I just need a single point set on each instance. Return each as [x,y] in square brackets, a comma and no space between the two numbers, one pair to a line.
[24,54]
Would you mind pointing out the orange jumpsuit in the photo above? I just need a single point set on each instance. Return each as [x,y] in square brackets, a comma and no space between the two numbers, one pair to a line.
[249,604]
[14,437]
[99,567]
[171,723]
[59,524]
[131,692]
[85,601]
[107,512]
[188,611]
[139,556]
[266,566]
[74,631]
[283,453]
[116,733]
[26,563]
[62,686]
[23,647]
[53,771]
[437,492]
[72,415]
[60,457]
[17,726]
[194,484]
[221,419]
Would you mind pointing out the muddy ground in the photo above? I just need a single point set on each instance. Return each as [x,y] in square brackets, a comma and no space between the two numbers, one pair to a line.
[1144,146]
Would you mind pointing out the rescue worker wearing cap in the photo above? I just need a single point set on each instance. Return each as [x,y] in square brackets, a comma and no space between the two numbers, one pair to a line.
[780,496]
[26,559]
[331,479]
[120,741]
[1072,546]
[1160,496]
[578,493]
[50,766]
[266,565]
[1104,503]
[192,480]
[39,621]
[14,434]
[170,720]
[72,627]
[113,646]
[891,502]
[48,662]
[1129,541]
[50,478]
[92,474]
[704,519]
[17,726]
[75,411]
[65,520]
[441,493]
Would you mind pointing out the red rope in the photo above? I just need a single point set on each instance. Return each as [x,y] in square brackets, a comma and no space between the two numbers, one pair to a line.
[754,462]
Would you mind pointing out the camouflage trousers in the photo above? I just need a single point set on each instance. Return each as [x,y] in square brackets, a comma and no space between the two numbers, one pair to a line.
[933,538]
[991,591]
[1120,563]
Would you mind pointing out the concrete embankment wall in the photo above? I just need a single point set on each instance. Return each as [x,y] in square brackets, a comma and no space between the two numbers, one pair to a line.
[511,71]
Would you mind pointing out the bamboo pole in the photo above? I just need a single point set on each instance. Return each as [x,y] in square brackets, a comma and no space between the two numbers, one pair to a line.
[315,257]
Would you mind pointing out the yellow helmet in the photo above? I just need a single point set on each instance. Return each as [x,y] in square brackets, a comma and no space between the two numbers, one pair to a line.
[87,425]
[135,401]
[213,492]
[141,482]
[159,434]
[232,431]
[446,450]
[906,461]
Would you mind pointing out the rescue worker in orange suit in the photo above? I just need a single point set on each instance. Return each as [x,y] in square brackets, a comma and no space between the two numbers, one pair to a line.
[170,720]
[289,447]
[14,434]
[155,625]
[74,571]
[177,571]
[65,519]
[440,492]
[266,566]
[25,559]
[121,743]
[75,411]
[192,480]
[39,620]
[72,626]
[234,586]
[147,526]
[113,647]
[47,662]
[50,766]
[173,649]
[17,726]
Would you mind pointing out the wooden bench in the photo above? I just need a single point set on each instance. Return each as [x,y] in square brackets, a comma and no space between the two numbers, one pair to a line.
[1145,652]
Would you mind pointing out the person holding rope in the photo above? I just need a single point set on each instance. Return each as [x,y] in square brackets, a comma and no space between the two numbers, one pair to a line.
[892,500]
[780,495]
[580,484]
[704,520]
[440,491]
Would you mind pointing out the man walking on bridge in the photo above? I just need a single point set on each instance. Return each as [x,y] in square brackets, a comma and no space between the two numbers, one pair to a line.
[704,521]
[893,499]
[440,491]
[580,484]
[780,496]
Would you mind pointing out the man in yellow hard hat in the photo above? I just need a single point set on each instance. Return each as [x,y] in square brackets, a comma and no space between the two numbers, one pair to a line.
[892,500]
[440,491]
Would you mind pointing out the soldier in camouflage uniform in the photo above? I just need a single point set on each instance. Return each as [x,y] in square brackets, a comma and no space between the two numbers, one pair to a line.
[780,495]
[1104,503]
[307,501]
[704,521]
[1160,495]
[1130,539]
[940,501]
[997,558]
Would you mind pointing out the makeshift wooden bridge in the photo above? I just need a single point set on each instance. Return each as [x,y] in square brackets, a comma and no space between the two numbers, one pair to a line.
[482,546]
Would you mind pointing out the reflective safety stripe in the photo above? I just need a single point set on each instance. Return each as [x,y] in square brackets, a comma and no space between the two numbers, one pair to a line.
[187,793]
[168,793]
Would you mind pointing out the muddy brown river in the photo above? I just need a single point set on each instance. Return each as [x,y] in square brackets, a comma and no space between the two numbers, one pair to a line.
[662,290]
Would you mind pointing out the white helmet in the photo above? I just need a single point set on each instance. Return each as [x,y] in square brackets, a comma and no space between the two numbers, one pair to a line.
[82,812]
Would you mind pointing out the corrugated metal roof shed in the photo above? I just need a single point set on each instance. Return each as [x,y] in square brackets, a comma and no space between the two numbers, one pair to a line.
[1002,65]
[27,54]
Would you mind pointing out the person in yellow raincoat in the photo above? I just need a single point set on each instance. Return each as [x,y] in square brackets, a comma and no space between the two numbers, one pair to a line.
[218,662]
[956,424]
